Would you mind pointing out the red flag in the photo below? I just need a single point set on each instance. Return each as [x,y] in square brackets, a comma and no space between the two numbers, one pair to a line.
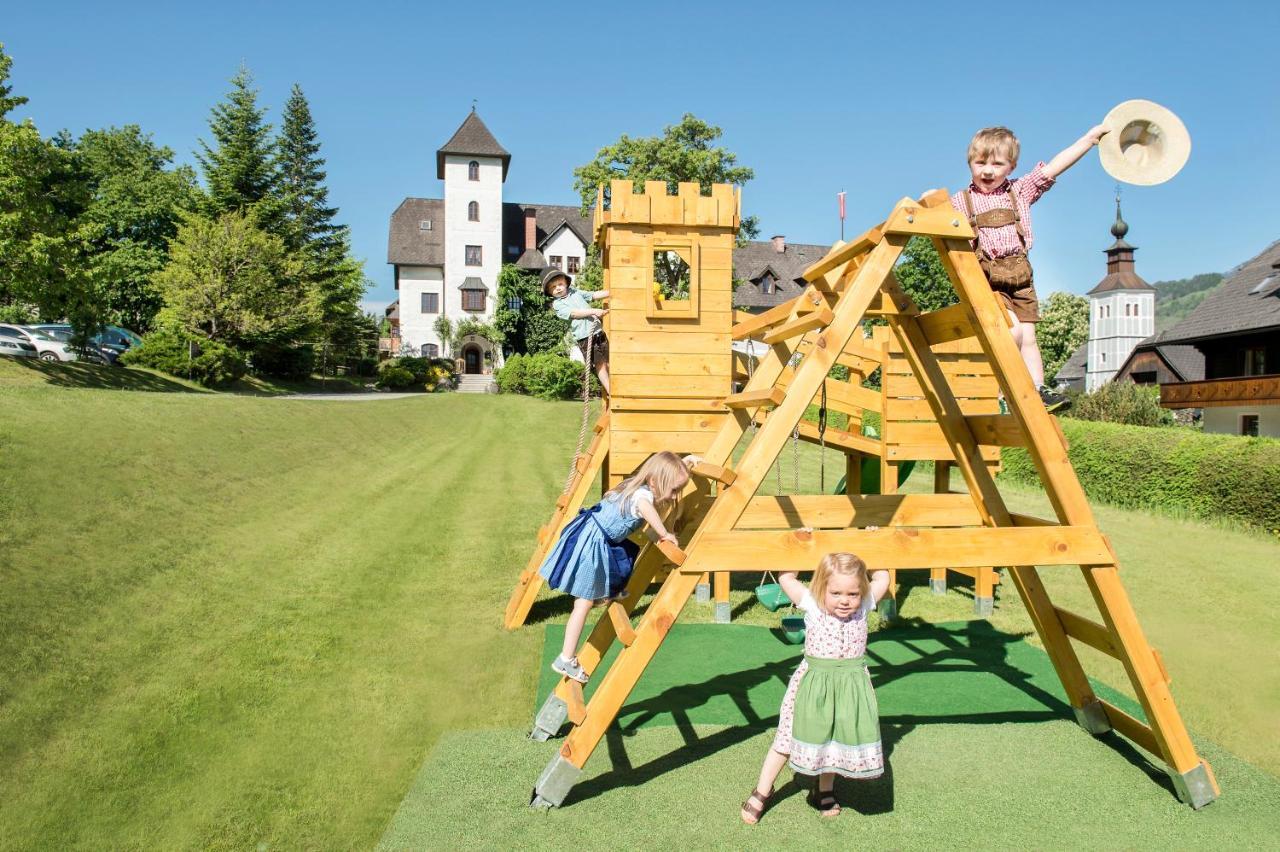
[841,197]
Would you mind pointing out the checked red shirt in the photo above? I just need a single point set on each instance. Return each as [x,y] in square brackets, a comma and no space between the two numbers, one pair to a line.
[1003,241]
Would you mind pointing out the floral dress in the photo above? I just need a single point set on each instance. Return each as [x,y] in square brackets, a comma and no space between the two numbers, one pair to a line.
[829,721]
[594,557]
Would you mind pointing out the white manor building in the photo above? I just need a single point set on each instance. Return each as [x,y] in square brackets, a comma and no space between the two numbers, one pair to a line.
[447,252]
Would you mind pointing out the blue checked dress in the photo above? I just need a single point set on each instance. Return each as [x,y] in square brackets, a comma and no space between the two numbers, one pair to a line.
[594,557]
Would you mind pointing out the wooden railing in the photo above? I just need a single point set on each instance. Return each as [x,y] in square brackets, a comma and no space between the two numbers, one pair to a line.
[1219,392]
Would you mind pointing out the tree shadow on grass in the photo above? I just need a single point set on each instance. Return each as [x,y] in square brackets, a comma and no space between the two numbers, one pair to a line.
[78,374]
[974,647]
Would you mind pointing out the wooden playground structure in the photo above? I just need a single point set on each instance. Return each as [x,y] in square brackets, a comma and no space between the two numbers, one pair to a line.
[941,373]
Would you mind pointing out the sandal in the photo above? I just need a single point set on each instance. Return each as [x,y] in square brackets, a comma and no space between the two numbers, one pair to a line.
[570,668]
[824,801]
[751,813]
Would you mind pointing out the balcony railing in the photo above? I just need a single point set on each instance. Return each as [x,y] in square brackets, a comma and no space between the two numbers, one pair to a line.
[1257,390]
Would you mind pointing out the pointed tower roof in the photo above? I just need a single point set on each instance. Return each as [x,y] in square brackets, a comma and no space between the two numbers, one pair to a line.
[1120,272]
[472,138]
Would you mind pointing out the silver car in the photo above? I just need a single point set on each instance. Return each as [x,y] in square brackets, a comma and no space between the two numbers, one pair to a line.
[48,348]
[15,344]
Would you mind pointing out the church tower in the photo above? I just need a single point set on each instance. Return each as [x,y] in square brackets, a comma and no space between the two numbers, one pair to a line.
[1122,310]
[473,167]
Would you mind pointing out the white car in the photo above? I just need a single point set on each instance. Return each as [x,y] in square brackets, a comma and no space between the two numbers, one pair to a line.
[47,347]
[15,344]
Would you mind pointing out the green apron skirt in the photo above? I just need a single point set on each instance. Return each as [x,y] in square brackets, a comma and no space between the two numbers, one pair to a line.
[837,722]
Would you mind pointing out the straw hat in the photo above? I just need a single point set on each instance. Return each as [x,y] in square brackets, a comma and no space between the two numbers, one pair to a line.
[549,276]
[1147,144]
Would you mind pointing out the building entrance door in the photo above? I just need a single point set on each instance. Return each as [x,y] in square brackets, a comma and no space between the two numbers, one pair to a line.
[471,355]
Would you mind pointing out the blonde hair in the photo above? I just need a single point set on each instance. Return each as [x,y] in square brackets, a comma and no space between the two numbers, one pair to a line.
[664,473]
[994,140]
[844,564]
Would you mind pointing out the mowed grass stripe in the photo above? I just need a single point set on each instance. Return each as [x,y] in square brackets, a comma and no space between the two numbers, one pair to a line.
[301,631]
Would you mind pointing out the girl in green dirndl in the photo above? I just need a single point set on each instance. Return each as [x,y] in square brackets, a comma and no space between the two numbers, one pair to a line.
[829,723]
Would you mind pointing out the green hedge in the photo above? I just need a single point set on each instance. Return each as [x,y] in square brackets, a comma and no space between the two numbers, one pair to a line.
[546,376]
[1178,470]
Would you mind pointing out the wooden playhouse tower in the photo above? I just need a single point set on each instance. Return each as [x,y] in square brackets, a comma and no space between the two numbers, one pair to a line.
[670,363]
[935,381]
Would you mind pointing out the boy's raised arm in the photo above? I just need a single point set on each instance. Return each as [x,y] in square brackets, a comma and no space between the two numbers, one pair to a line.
[1068,157]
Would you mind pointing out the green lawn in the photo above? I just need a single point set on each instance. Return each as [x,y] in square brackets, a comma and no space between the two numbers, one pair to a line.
[230,621]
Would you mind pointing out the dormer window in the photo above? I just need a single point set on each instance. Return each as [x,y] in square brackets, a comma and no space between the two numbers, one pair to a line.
[424,225]
[766,284]
[473,211]
[473,170]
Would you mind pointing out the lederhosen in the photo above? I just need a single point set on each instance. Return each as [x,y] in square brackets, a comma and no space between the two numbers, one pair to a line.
[1010,276]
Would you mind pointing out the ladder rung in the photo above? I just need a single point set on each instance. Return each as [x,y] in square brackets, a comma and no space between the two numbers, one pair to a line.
[722,475]
[755,399]
[576,706]
[621,624]
[583,462]
[1127,725]
[818,319]
[946,324]
[673,553]
[1087,631]
[563,501]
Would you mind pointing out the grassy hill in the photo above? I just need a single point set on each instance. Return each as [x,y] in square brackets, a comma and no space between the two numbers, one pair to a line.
[1175,300]
[246,622]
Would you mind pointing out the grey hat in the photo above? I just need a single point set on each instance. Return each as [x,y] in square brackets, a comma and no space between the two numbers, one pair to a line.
[549,275]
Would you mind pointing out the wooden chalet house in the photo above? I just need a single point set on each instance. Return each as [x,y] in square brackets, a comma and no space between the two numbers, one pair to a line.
[1237,330]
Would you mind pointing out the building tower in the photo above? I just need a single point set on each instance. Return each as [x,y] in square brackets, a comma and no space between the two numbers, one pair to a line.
[1122,310]
[473,167]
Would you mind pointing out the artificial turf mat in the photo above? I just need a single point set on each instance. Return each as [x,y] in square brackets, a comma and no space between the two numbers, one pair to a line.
[981,752]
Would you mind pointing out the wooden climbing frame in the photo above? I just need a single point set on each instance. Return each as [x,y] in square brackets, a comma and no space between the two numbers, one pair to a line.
[728,526]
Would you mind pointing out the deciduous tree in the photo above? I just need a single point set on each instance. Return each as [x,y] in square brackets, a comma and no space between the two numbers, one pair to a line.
[1063,328]
[684,152]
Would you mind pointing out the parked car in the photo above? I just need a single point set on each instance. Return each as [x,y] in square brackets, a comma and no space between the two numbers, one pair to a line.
[15,344]
[47,348]
[62,335]
[110,343]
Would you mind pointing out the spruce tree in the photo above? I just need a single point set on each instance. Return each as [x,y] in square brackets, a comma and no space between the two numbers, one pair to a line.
[334,278]
[8,101]
[238,166]
[304,198]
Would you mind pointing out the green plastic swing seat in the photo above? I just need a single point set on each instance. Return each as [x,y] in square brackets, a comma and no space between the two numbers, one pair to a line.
[771,596]
[793,629]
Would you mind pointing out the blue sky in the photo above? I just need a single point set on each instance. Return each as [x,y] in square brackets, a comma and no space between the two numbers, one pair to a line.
[878,100]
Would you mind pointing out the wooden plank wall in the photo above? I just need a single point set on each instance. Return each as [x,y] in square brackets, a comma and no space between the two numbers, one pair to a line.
[668,373]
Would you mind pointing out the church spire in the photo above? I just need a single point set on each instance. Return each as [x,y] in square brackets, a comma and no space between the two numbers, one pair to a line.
[1120,272]
[1119,228]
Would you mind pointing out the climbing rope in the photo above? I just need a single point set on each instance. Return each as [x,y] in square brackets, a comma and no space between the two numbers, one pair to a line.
[586,408]
[822,440]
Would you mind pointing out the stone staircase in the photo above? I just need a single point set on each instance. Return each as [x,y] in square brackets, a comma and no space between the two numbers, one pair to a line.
[476,384]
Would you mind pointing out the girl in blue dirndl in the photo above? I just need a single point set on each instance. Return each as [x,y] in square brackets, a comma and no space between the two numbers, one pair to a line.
[594,557]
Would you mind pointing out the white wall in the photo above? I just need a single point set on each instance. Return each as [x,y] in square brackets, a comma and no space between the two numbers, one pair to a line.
[1226,420]
[566,244]
[459,191]
[1113,336]
[416,328]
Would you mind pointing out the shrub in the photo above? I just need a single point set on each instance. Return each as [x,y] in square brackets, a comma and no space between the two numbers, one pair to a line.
[438,378]
[553,377]
[1122,402]
[1179,470]
[511,378]
[283,361]
[167,350]
[545,375]
[394,377]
